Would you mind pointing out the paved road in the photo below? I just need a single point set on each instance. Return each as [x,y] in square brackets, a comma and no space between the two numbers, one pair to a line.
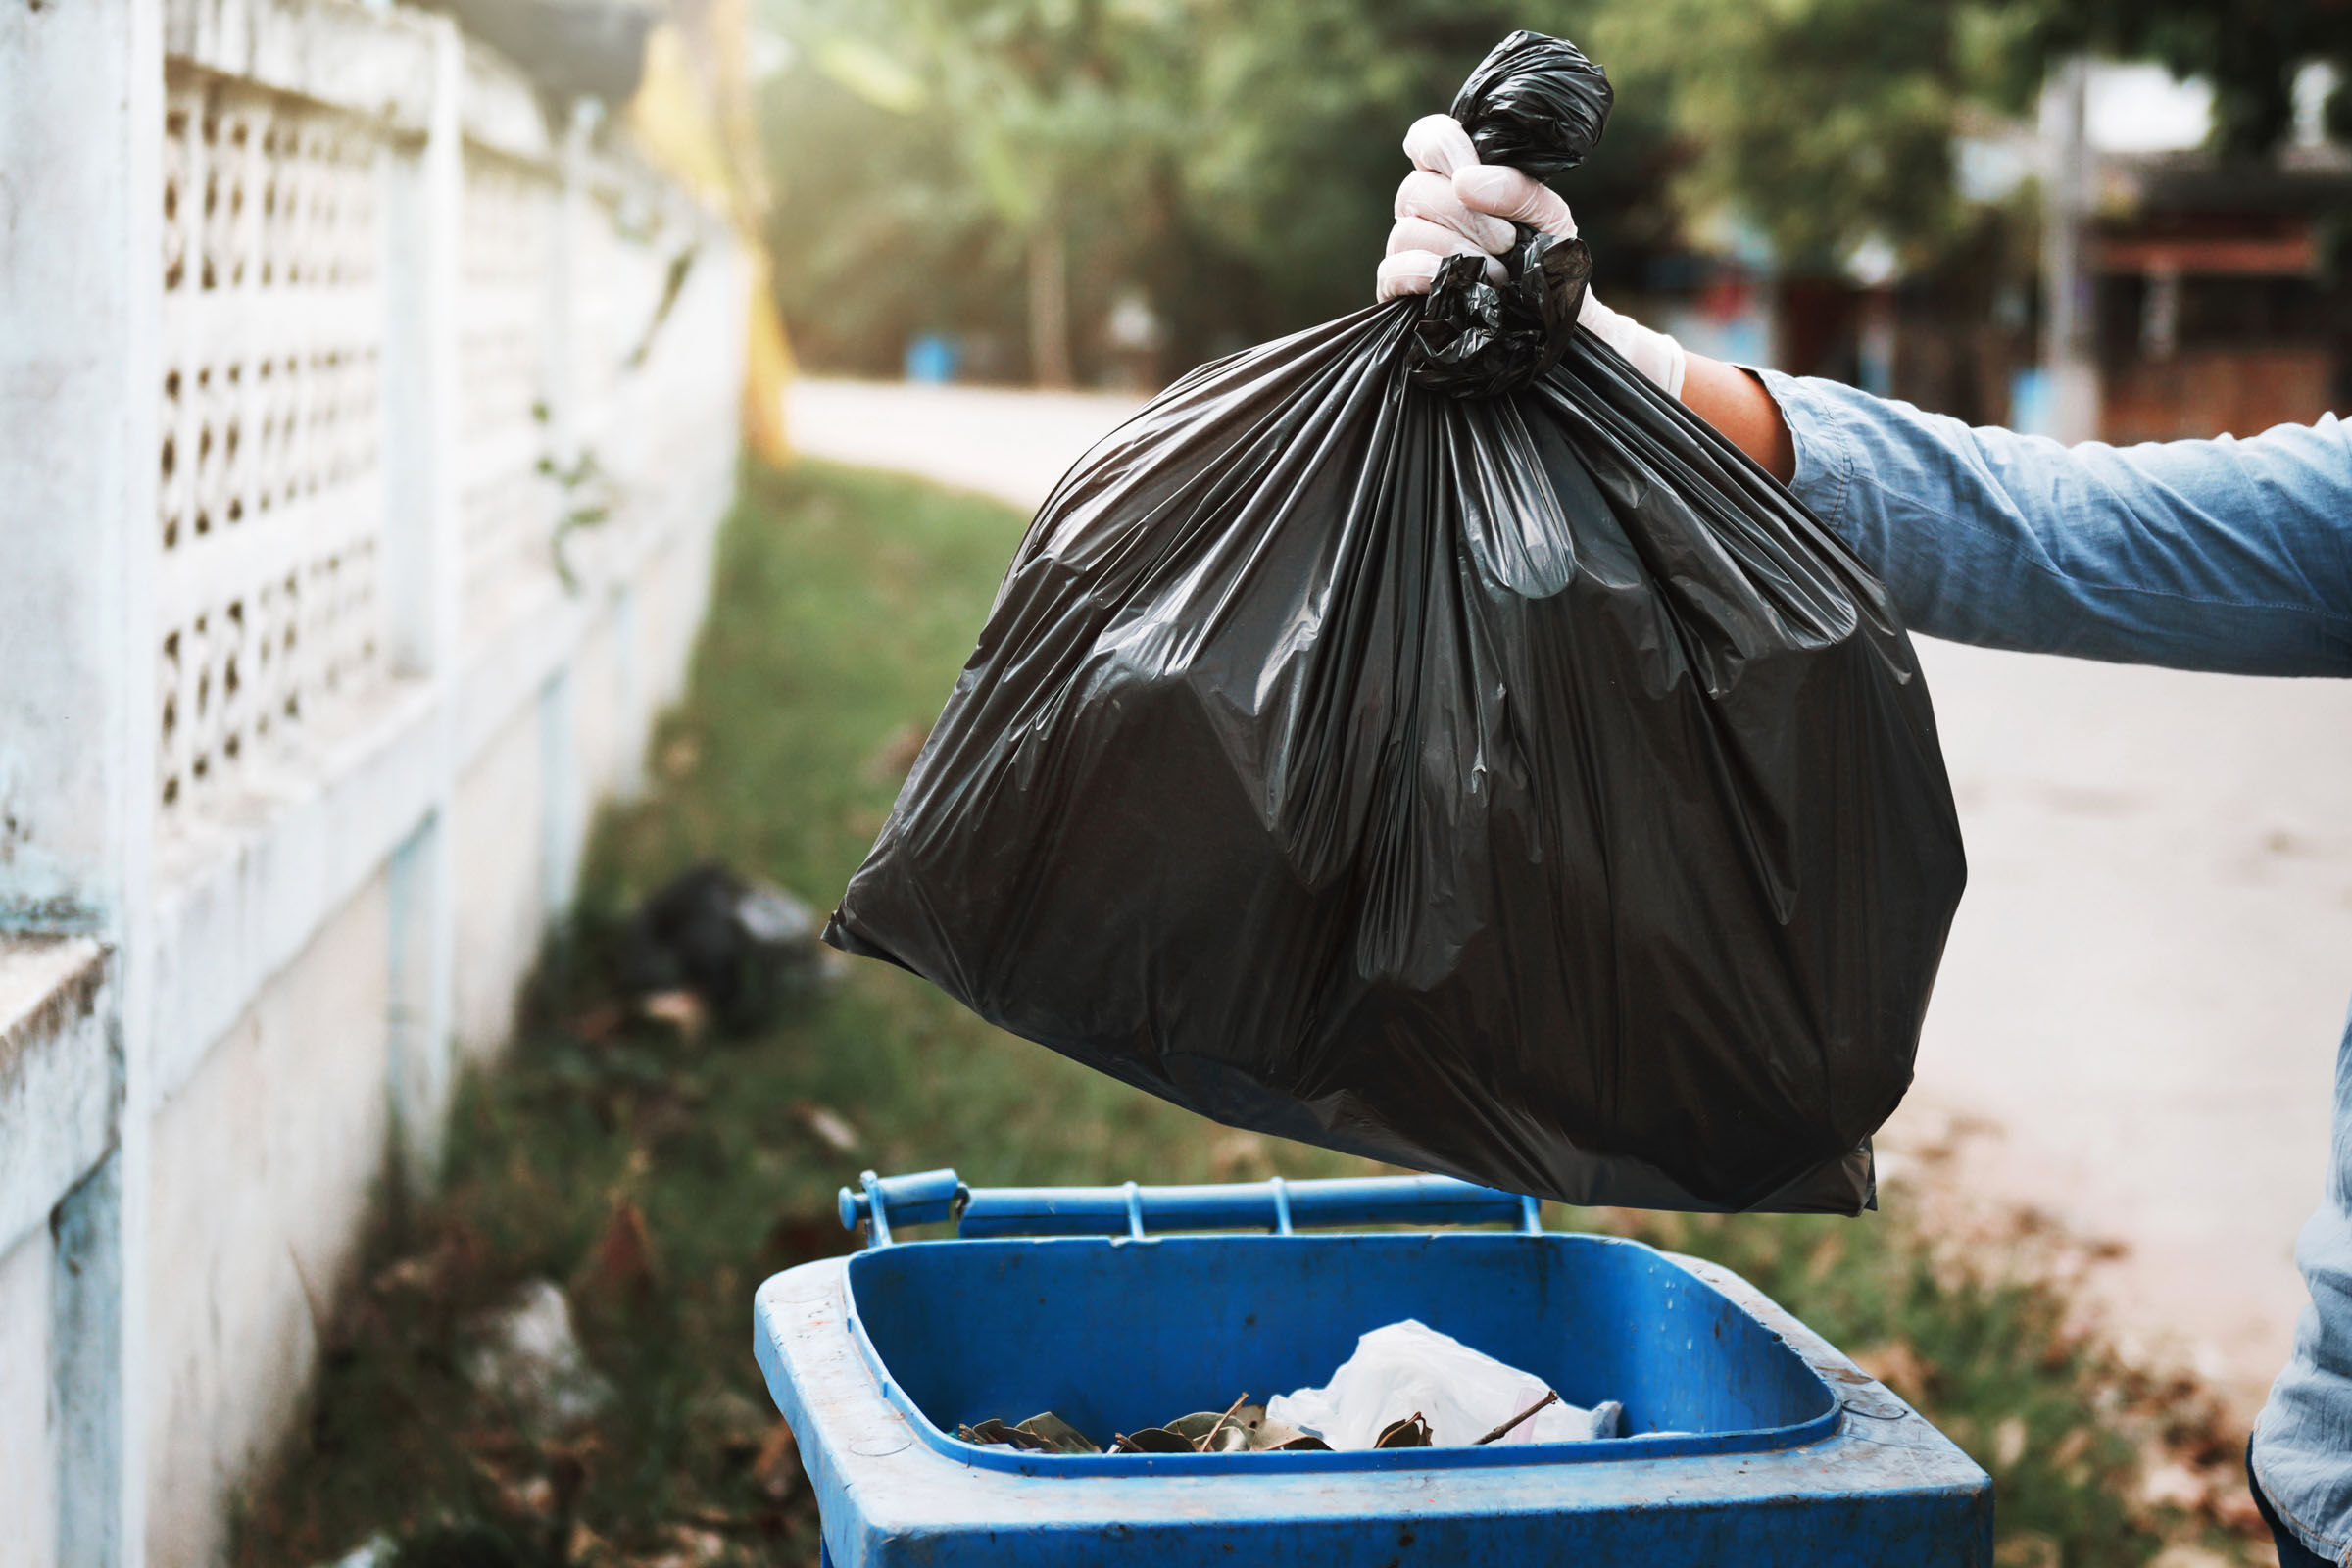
[2140,1001]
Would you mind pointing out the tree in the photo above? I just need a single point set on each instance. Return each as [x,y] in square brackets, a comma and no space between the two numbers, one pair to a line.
[1828,123]
[2252,50]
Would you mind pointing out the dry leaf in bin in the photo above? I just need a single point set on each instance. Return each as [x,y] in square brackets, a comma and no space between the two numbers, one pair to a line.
[1152,1439]
[1411,1432]
[995,1431]
[1208,1432]
[1274,1436]
[1239,1428]
[1062,1436]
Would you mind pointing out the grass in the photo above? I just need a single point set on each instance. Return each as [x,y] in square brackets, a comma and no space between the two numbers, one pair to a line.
[660,1173]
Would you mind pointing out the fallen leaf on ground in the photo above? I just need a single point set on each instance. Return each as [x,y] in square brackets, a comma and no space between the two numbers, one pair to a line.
[585,1548]
[1233,1150]
[620,1266]
[729,1424]
[689,1547]
[436,1272]
[2029,1549]
[600,1022]
[2009,1442]
[893,759]
[2173,1485]
[535,1496]
[681,1010]
[831,1128]
[776,1468]
[798,1237]
[1897,1364]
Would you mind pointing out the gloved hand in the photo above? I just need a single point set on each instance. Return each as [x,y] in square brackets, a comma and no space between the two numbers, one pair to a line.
[1454,204]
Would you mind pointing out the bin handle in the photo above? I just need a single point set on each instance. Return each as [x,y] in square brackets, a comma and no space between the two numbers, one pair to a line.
[1133,1212]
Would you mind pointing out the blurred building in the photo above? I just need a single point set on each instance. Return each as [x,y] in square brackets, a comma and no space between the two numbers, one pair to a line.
[2214,305]
[371,407]
[2210,297]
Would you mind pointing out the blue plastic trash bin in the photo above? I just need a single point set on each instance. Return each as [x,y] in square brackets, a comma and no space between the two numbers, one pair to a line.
[1753,1440]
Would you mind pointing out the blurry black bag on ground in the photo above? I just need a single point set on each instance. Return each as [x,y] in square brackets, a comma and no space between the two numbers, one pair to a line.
[744,948]
[1422,737]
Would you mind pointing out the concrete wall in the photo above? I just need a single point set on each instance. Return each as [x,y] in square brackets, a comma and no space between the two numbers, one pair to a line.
[305,308]
[260,1163]
[28,1422]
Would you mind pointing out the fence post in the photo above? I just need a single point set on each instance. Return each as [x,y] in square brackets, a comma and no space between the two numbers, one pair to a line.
[80,297]
[425,570]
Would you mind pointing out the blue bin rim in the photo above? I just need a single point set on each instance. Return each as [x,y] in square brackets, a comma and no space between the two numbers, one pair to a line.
[997,1456]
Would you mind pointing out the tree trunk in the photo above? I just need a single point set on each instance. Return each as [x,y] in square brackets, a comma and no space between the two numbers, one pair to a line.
[1049,306]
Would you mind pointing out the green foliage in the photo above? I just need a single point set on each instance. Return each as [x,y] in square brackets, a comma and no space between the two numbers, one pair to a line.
[1824,122]
[1236,163]
[2251,49]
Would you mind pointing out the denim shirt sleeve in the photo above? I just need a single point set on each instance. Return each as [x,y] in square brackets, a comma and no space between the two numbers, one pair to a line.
[2221,555]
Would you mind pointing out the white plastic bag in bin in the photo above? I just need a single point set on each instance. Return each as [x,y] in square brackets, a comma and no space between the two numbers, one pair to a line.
[1462,1393]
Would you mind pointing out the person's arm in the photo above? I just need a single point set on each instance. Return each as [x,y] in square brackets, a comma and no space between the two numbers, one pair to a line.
[2219,555]
[1734,401]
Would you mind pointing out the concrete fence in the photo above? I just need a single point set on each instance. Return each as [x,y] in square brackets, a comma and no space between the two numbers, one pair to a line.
[365,423]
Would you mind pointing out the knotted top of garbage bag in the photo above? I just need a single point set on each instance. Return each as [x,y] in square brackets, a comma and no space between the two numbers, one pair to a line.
[1535,103]
[1538,105]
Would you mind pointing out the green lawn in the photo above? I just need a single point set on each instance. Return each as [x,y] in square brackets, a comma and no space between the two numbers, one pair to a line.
[661,1176]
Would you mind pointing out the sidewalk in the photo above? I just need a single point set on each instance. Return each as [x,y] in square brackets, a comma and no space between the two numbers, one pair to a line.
[2137,1017]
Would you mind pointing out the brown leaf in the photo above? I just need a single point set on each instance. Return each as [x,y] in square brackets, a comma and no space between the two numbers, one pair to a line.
[1897,1364]
[829,1126]
[2172,1485]
[1233,1152]
[730,1425]
[689,1547]
[2029,1548]
[1151,1439]
[776,1468]
[437,1273]
[585,1548]
[893,759]
[798,1237]
[621,1267]
[681,1010]
[600,1022]
[533,1496]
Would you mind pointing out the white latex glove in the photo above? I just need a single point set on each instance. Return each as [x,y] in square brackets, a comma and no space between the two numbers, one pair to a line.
[1486,199]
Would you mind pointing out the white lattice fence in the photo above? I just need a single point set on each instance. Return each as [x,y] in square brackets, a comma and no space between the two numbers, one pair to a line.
[270,427]
[652,284]
[313,311]
[509,498]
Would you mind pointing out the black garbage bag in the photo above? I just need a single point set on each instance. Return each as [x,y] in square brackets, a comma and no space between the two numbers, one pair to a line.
[1519,784]
[744,947]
